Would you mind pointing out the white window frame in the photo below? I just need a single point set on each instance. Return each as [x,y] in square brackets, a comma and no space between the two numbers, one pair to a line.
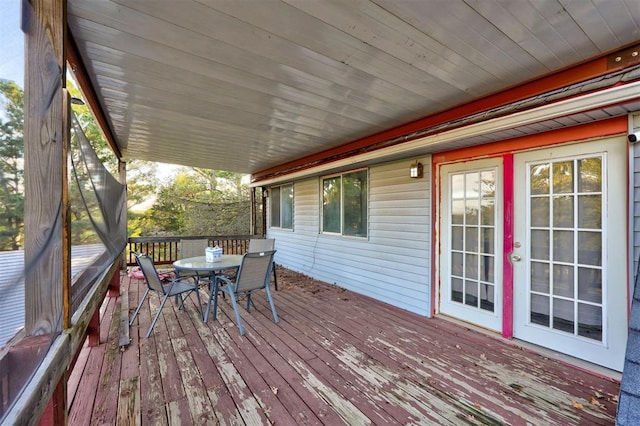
[321,218]
[280,207]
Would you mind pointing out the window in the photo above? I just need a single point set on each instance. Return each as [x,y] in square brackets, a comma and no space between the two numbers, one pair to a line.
[344,204]
[282,206]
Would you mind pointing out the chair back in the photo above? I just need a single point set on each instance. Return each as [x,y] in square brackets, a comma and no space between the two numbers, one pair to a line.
[193,248]
[150,273]
[255,271]
[261,244]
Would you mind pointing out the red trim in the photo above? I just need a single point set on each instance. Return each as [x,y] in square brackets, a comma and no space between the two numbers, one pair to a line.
[613,126]
[507,227]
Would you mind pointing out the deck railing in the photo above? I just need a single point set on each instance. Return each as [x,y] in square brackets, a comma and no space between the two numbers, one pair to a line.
[165,250]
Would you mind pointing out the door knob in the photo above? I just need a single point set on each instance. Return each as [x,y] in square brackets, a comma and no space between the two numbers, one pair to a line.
[514,257]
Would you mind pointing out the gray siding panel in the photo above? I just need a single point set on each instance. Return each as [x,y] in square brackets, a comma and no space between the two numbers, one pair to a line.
[393,264]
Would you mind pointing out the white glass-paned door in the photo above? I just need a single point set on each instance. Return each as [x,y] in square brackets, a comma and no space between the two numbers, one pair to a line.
[471,249]
[570,286]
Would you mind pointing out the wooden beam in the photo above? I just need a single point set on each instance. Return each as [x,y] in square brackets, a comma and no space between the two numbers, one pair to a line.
[44,158]
[90,96]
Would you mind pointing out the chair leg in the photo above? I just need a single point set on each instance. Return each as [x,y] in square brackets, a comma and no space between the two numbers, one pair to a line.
[273,307]
[275,278]
[213,294]
[153,323]
[234,303]
[135,314]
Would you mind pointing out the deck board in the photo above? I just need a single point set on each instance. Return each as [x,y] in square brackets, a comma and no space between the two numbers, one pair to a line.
[335,358]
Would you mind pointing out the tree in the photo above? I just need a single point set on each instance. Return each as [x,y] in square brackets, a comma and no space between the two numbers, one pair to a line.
[201,202]
[11,164]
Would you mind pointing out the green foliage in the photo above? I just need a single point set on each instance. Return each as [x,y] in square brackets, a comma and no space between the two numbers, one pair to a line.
[11,164]
[199,202]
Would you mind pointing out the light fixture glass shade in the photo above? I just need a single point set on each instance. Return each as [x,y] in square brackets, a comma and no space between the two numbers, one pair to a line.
[415,171]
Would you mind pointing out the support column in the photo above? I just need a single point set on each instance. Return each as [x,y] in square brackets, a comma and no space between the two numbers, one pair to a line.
[45,133]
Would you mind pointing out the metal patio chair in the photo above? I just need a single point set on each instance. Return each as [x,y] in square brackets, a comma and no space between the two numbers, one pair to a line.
[176,287]
[193,248]
[253,275]
[264,244]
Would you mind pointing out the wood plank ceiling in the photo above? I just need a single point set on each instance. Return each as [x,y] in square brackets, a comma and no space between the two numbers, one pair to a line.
[246,85]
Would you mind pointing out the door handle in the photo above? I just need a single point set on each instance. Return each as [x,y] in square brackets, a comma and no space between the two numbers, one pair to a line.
[514,257]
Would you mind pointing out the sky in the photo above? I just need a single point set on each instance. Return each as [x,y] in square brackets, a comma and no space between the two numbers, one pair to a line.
[11,42]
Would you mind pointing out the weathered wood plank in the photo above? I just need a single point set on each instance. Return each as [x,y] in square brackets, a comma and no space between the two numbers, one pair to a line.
[129,402]
[124,339]
[106,404]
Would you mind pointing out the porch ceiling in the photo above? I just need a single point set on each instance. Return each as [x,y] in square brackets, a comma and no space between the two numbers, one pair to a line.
[247,85]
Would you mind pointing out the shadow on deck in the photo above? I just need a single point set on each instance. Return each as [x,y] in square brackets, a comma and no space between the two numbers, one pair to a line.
[335,358]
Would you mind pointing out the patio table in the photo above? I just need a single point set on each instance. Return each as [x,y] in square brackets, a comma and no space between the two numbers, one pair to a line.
[199,264]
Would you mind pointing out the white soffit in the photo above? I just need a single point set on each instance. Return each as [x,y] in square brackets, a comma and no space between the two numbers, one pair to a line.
[429,144]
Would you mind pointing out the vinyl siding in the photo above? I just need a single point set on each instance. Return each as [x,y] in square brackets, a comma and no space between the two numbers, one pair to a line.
[393,264]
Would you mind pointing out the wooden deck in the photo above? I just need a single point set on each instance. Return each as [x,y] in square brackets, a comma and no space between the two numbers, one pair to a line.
[335,358]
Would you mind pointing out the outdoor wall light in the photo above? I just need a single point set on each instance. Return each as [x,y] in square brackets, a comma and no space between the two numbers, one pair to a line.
[415,171]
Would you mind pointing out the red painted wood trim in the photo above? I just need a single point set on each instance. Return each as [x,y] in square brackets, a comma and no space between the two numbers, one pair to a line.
[507,229]
[572,75]
[613,126]
[82,77]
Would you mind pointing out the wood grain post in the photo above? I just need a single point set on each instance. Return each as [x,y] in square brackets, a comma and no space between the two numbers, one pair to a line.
[46,132]
[44,156]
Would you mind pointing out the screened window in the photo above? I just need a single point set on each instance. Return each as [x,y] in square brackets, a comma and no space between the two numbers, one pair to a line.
[282,206]
[344,204]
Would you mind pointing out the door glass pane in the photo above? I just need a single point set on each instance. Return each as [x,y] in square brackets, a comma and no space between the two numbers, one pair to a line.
[487,298]
[590,321]
[540,310]
[457,235]
[487,243]
[540,211]
[590,211]
[471,266]
[457,212]
[471,293]
[486,269]
[488,184]
[590,285]
[563,315]
[488,212]
[540,277]
[563,280]
[472,185]
[539,177]
[471,238]
[563,211]
[562,177]
[590,174]
[590,248]
[457,264]
[572,240]
[563,246]
[472,212]
[457,290]
[540,245]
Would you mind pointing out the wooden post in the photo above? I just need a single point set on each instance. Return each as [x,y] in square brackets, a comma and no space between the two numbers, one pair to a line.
[122,178]
[253,224]
[46,132]
[45,161]
[264,213]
